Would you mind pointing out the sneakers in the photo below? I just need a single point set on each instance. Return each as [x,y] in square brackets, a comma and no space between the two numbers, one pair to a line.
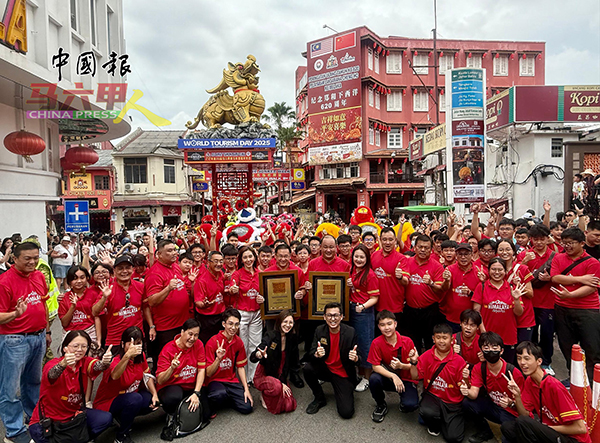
[125,439]
[379,413]
[23,437]
[480,437]
[315,405]
[549,370]
[432,432]
[362,386]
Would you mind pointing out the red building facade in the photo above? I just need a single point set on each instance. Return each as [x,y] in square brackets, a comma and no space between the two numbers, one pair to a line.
[392,107]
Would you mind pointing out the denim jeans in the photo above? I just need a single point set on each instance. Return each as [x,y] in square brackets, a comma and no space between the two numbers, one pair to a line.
[20,369]
[363,324]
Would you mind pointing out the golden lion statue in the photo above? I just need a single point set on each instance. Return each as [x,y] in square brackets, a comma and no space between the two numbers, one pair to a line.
[246,104]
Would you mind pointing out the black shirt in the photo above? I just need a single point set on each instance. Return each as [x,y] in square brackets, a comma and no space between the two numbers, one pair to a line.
[594,251]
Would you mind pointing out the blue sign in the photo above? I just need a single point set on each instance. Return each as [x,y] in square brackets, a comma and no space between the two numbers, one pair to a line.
[467,86]
[77,216]
[200,186]
[225,143]
[467,100]
[298,185]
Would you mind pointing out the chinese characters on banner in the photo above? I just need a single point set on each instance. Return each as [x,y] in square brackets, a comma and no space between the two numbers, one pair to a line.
[466,135]
[86,63]
[334,98]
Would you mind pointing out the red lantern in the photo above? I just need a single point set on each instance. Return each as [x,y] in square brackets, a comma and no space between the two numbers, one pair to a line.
[497,55]
[441,91]
[430,53]
[81,157]
[403,128]
[470,54]
[416,53]
[404,92]
[441,54]
[512,56]
[387,52]
[456,54]
[484,55]
[374,44]
[405,53]
[524,56]
[66,166]
[415,91]
[25,144]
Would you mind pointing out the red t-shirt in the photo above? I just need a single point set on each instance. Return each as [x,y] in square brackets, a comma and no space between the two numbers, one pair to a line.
[590,266]
[210,288]
[435,256]
[191,360]
[382,352]
[445,386]
[362,293]
[496,385]
[527,318]
[391,295]
[319,264]
[273,267]
[62,398]
[118,316]
[455,302]
[128,382]
[140,277]
[478,264]
[33,289]
[245,299]
[542,297]
[235,357]
[333,360]
[418,294]
[497,310]
[469,352]
[558,407]
[82,315]
[174,309]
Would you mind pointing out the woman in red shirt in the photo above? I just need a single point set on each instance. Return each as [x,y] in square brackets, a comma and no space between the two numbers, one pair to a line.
[180,372]
[75,309]
[499,306]
[516,274]
[62,392]
[244,290]
[119,392]
[364,287]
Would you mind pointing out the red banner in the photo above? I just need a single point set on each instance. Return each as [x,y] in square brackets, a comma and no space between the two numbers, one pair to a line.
[335,127]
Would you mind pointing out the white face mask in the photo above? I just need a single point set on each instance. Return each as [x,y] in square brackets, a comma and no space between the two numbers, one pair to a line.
[134,251]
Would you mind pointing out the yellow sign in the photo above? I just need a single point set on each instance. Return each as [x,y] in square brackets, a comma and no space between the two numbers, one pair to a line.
[200,175]
[80,182]
[298,175]
[430,142]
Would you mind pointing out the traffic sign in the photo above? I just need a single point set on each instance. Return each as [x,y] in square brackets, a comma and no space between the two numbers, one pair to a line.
[77,216]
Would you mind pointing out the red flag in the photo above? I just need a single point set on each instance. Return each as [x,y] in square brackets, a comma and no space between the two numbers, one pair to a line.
[345,41]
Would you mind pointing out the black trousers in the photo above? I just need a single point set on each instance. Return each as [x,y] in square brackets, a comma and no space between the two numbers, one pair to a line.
[209,326]
[544,337]
[221,394]
[579,326]
[418,323]
[170,397]
[527,430]
[307,332]
[343,388]
[443,417]
[162,338]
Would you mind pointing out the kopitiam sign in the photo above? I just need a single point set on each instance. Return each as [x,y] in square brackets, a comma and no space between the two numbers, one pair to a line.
[430,142]
[345,153]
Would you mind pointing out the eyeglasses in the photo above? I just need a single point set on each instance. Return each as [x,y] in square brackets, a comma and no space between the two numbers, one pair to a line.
[332,316]
[216,261]
[569,244]
[78,347]
[232,325]
[127,297]
[486,251]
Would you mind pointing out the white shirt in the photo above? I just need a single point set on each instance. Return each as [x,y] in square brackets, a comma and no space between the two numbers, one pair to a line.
[60,249]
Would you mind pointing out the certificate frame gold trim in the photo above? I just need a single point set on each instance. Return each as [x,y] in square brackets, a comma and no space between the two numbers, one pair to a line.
[274,301]
[315,302]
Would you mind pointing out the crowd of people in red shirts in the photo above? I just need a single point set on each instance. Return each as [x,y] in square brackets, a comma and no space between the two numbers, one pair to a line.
[472,311]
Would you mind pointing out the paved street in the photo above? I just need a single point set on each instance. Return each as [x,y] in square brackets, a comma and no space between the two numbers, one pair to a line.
[229,426]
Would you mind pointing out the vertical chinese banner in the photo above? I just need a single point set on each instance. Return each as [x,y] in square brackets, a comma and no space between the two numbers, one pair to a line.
[334,99]
[465,135]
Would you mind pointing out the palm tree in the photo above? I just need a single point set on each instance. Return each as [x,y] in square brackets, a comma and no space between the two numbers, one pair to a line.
[279,114]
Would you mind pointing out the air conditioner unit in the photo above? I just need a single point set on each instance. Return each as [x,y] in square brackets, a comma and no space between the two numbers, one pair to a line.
[129,188]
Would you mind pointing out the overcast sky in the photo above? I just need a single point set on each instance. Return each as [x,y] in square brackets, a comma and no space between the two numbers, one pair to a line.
[178,49]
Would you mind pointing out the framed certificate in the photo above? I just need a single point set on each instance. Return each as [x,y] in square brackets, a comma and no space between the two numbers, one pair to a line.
[328,287]
[278,289]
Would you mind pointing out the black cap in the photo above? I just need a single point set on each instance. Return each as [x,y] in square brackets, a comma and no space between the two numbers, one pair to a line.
[125,258]
[465,246]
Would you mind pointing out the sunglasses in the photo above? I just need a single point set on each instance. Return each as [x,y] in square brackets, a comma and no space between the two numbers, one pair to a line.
[127,297]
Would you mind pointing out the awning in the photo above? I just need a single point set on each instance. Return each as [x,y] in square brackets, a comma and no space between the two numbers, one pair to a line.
[137,203]
[299,198]
[340,182]
[397,187]
[424,208]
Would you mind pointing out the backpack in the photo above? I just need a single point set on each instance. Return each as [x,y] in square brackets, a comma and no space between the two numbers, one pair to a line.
[184,422]
[509,370]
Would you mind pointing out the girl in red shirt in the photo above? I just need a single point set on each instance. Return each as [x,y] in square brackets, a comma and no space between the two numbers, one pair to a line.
[120,392]
[75,309]
[244,291]
[499,306]
[62,391]
[364,287]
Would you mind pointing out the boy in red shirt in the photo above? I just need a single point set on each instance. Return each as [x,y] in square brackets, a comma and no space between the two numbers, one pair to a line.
[466,342]
[441,370]
[557,416]
[390,356]
[209,289]
[488,396]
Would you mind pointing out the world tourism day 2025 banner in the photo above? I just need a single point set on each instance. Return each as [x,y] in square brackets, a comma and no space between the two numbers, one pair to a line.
[465,134]
[334,89]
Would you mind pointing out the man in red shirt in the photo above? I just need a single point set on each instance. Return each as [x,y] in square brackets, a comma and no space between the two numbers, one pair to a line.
[441,370]
[388,263]
[558,418]
[355,232]
[315,247]
[466,342]
[344,243]
[487,251]
[226,357]
[167,296]
[230,258]
[575,279]
[265,254]
[425,287]
[389,355]
[539,259]
[24,334]
[333,358]
[494,402]
[208,297]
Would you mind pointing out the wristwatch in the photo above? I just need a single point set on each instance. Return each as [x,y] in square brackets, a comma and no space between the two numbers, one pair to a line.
[413,363]
[197,393]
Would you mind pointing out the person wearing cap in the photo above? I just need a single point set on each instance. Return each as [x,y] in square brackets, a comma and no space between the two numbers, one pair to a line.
[23,339]
[122,304]
[463,281]
[62,260]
